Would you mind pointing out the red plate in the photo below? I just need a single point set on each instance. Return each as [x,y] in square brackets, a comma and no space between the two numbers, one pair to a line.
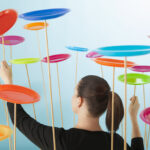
[18,94]
[8,18]
[56,58]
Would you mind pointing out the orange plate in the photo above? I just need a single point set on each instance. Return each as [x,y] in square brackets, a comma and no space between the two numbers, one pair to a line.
[35,26]
[18,94]
[113,62]
[5,132]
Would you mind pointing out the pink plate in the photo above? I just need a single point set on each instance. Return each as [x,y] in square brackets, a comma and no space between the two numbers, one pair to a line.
[145,115]
[93,55]
[12,40]
[56,58]
[140,68]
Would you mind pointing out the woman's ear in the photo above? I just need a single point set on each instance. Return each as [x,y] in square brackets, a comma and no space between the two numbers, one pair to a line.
[79,102]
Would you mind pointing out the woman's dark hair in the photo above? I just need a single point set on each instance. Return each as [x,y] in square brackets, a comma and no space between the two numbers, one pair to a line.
[98,97]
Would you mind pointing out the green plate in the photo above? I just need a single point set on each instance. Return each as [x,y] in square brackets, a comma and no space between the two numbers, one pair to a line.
[25,61]
[135,79]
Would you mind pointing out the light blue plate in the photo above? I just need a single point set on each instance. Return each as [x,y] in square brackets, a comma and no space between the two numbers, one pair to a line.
[80,49]
[124,50]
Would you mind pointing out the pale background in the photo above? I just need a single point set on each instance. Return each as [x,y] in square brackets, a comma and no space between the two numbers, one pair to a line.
[91,24]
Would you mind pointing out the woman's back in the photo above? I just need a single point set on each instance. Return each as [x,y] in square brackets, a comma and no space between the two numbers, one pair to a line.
[82,139]
[79,139]
[71,139]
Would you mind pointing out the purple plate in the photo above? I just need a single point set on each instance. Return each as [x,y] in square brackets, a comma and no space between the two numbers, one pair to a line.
[93,55]
[12,40]
[140,68]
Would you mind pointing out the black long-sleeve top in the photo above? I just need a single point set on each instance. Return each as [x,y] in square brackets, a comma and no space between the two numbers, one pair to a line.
[72,139]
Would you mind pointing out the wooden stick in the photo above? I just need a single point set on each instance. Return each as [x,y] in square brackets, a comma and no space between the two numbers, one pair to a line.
[125,102]
[3,47]
[148,138]
[4,104]
[4,59]
[5,107]
[145,134]
[134,90]
[112,121]
[11,70]
[76,69]
[30,88]
[11,55]
[44,86]
[7,120]
[10,141]
[59,94]
[50,86]
[102,73]
[15,118]
[74,117]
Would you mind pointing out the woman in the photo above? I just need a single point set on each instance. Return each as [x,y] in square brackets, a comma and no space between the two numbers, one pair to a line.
[91,99]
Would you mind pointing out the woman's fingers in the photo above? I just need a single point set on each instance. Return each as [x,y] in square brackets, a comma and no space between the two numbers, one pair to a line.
[134,106]
[4,64]
[133,99]
[137,102]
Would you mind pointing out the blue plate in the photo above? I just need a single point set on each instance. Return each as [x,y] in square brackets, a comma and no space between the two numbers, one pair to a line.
[124,50]
[44,14]
[80,49]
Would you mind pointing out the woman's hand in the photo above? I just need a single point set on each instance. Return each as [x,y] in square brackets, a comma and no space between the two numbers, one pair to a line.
[134,107]
[133,110]
[6,72]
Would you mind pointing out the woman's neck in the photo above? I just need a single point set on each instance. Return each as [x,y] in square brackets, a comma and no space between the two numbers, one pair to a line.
[88,123]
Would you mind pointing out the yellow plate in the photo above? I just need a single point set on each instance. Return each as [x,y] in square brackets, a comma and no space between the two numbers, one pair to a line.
[5,132]
[35,26]
[25,61]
